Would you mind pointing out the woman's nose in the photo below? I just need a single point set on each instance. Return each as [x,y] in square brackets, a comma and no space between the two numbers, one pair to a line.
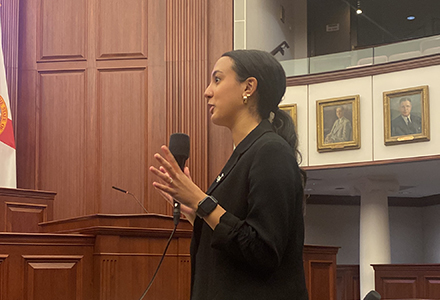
[208,92]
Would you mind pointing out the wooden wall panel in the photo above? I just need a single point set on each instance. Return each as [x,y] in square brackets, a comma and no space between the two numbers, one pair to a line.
[47,266]
[24,217]
[26,128]
[184,278]
[407,281]
[127,265]
[62,29]
[108,283]
[88,64]
[220,140]
[348,285]
[394,288]
[53,277]
[121,29]
[61,146]
[431,286]
[22,210]
[122,107]
[3,276]
[320,271]
[186,57]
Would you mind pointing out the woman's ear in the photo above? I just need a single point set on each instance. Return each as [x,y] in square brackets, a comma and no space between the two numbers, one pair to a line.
[251,84]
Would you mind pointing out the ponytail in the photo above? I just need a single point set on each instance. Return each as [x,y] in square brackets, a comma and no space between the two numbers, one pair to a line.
[283,125]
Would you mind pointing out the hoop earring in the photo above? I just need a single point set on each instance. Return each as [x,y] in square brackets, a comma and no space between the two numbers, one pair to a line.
[245,99]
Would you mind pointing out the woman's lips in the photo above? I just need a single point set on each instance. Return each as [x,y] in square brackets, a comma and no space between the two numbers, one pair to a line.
[211,108]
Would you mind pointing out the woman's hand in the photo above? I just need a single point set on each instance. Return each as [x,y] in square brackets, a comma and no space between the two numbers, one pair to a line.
[175,184]
[185,210]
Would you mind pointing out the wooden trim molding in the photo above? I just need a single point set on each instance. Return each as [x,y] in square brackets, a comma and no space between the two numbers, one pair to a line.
[127,225]
[23,193]
[356,200]
[362,71]
[373,163]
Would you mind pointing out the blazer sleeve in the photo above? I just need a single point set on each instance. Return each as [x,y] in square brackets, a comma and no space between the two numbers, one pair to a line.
[261,238]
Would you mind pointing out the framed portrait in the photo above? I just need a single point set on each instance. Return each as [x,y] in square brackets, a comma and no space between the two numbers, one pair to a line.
[406,115]
[291,110]
[338,124]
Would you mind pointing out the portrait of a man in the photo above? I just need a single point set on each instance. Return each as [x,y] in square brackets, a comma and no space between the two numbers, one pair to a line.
[338,125]
[407,122]
[341,130]
[406,115]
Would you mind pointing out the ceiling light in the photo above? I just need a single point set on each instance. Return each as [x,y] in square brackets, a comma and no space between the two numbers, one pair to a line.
[359,9]
[410,18]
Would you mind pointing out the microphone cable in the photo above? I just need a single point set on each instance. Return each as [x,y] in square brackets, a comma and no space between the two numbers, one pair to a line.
[160,263]
[166,247]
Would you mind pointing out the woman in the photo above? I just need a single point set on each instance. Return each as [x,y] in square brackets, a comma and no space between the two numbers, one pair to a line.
[248,245]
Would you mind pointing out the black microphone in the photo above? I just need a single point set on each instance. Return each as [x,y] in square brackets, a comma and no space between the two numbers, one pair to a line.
[372,295]
[179,147]
[127,192]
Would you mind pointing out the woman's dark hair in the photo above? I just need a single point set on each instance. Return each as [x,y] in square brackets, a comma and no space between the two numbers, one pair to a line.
[271,87]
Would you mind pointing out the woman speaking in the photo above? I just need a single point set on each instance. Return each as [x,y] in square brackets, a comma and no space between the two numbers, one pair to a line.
[248,231]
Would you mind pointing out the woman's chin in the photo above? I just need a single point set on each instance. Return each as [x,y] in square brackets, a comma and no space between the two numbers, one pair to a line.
[216,121]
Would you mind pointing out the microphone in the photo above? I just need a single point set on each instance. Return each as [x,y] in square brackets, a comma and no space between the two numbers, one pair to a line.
[179,147]
[127,192]
[372,295]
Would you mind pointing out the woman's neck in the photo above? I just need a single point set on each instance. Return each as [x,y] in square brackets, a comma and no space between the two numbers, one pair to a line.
[242,128]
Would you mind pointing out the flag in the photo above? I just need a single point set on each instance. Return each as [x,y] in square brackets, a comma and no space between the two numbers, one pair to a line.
[8,176]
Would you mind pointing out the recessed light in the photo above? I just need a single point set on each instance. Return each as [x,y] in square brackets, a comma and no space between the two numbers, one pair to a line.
[410,18]
[340,188]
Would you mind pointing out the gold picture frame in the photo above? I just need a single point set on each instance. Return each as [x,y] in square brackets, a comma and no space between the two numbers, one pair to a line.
[338,124]
[291,110]
[398,105]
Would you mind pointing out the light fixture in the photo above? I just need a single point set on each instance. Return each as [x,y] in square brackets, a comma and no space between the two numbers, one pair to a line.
[410,18]
[358,9]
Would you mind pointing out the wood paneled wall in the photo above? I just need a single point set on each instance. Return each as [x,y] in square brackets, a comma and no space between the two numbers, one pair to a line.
[347,282]
[320,271]
[22,210]
[38,266]
[102,85]
[401,281]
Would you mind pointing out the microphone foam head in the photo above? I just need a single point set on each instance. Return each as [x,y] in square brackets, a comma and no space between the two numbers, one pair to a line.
[179,145]
[372,295]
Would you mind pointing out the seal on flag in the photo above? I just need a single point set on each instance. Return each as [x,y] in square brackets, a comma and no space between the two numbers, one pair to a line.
[4,114]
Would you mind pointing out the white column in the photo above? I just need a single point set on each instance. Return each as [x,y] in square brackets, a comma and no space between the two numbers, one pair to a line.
[374,237]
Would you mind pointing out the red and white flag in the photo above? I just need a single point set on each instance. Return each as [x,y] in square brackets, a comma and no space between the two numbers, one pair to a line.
[8,176]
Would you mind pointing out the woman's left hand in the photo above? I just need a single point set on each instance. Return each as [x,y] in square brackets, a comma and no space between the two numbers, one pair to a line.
[174,182]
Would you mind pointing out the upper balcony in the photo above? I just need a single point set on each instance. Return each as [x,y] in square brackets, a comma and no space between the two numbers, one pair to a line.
[365,57]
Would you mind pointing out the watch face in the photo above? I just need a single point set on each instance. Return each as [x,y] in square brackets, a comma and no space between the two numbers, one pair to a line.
[206,206]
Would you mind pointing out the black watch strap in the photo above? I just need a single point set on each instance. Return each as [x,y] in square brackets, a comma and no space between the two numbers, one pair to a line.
[206,206]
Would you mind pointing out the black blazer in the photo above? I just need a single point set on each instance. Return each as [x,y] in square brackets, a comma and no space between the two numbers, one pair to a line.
[255,252]
[399,127]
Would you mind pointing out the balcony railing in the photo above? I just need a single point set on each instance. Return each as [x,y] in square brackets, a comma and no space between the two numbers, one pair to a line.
[364,57]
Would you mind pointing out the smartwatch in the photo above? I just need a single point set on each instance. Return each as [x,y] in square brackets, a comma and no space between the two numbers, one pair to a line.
[206,206]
